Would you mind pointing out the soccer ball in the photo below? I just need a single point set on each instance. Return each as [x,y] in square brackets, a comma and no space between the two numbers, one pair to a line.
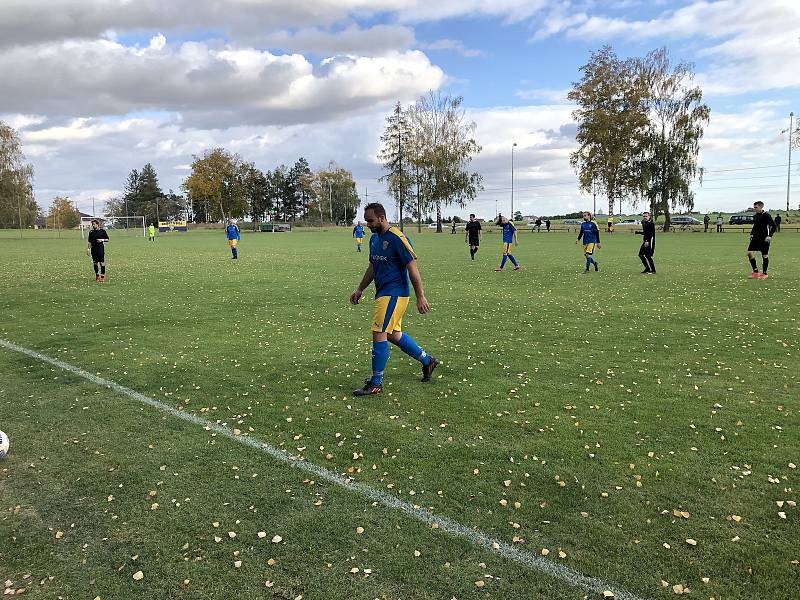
[3,444]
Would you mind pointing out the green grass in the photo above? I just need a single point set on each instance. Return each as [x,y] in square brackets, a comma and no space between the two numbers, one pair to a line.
[686,382]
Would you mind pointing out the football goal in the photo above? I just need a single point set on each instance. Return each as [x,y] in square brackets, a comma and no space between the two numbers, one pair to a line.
[133,225]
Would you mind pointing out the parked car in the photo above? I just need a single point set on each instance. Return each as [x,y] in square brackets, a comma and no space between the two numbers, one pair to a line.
[629,222]
[433,226]
[741,220]
[684,220]
[571,222]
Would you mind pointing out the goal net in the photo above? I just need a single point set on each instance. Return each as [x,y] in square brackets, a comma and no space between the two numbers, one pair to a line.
[125,225]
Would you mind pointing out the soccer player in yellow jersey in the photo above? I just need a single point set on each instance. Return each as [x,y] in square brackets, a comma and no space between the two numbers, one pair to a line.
[392,264]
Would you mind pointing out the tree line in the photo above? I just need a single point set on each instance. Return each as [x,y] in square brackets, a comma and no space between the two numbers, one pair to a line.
[221,185]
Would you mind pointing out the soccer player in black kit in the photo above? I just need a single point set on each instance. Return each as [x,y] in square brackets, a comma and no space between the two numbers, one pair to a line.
[97,250]
[648,247]
[473,235]
[760,237]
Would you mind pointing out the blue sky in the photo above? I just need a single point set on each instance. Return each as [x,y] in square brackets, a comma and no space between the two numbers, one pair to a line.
[153,82]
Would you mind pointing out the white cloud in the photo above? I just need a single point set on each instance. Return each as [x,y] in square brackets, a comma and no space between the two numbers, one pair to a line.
[210,85]
[372,41]
[34,21]
[454,46]
[754,44]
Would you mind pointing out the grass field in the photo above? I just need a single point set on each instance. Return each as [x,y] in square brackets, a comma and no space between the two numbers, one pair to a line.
[597,422]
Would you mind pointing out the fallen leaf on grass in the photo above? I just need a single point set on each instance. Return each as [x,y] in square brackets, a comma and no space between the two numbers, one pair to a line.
[138,576]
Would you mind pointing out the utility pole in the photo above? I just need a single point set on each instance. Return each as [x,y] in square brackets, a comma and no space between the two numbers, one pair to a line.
[330,199]
[789,172]
[512,181]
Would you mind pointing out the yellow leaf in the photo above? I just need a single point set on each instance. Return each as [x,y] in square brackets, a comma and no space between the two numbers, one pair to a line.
[138,576]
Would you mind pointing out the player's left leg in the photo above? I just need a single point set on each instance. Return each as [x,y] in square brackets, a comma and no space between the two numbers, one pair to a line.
[102,271]
[764,264]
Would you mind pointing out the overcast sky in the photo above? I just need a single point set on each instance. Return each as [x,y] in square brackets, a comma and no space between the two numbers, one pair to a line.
[99,87]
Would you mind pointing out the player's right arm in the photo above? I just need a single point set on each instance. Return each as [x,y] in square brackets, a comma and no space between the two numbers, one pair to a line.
[580,235]
[369,275]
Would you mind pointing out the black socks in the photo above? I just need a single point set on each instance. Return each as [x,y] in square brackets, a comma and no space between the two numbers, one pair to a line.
[753,264]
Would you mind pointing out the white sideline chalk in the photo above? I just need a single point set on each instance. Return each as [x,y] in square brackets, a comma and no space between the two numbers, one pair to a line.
[476,537]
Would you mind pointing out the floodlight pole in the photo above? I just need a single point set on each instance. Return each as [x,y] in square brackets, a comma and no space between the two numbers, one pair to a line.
[512,181]
[330,199]
[789,171]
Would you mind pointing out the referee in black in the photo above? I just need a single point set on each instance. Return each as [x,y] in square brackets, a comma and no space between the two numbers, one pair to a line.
[648,247]
[473,235]
[98,238]
[760,237]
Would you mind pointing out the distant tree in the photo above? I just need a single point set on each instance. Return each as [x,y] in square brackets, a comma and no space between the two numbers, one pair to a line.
[142,196]
[612,121]
[216,185]
[396,158]
[18,207]
[672,141]
[63,214]
[256,189]
[443,148]
[518,216]
[338,191]
[300,175]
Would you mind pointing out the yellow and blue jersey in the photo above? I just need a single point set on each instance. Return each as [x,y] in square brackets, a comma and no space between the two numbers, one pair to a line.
[589,233]
[232,231]
[358,232]
[508,233]
[389,254]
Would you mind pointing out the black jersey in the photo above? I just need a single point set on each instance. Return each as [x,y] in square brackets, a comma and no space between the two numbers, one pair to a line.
[95,235]
[763,226]
[649,232]
[473,227]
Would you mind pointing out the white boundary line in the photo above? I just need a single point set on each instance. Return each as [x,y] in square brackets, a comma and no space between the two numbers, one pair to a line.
[453,528]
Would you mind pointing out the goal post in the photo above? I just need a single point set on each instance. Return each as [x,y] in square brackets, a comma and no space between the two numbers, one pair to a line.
[128,224]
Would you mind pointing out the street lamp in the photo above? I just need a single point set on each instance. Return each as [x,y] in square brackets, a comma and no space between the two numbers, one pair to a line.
[789,171]
[512,180]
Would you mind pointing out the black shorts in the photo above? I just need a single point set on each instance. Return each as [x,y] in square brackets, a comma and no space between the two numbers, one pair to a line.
[758,245]
[474,242]
[98,255]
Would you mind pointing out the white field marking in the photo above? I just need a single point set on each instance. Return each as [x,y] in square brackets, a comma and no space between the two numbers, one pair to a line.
[454,528]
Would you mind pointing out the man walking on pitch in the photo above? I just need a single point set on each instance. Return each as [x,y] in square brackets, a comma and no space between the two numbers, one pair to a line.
[720,221]
[706,221]
[98,238]
[232,233]
[473,235]
[778,223]
[591,240]
[358,234]
[648,247]
[509,238]
[151,231]
[760,238]
[392,264]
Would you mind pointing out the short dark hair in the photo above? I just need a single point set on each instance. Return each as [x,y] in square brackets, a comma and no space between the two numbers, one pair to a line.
[96,221]
[758,203]
[471,214]
[377,208]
